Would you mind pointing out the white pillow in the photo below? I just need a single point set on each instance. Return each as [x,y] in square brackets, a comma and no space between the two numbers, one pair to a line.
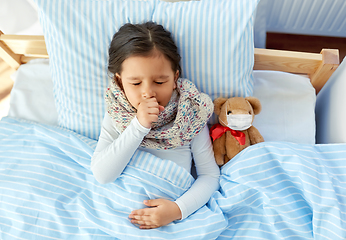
[330,108]
[32,93]
[215,40]
[288,107]
[291,111]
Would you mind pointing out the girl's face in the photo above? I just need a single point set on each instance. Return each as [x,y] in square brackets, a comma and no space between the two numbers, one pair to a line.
[147,77]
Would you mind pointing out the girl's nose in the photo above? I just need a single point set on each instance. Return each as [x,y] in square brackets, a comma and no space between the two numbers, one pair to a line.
[148,92]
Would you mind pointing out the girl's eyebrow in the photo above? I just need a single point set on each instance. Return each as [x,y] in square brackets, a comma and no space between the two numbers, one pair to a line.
[133,78]
[154,77]
[162,76]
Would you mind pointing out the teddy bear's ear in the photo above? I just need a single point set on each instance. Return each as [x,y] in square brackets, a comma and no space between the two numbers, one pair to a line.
[255,103]
[218,102]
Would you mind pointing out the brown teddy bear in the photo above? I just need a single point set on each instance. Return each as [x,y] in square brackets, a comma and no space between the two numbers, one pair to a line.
[234,132]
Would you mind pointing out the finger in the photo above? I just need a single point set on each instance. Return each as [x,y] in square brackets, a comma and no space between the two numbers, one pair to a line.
[152,202]
[139,212]
[153,110]
[150,100]
[152,103]
[161,108]
[149,103]
[140,222]
[152,117]
[145,213]
[148,226]
[144,224]
[139,217]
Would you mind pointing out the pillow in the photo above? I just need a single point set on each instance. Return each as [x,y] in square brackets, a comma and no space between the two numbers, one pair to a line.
[33,87]
[32,93]
[330,110]
[77,35]
[288,107]
[215,39]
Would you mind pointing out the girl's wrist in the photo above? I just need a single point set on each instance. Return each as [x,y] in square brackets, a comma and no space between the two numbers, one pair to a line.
[142,128]
[178,214]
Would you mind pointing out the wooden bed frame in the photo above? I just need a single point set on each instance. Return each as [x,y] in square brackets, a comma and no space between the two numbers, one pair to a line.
[19,49]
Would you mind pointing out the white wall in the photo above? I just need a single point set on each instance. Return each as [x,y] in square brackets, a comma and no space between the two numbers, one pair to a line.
[19,17]
[260,25]
[309,17]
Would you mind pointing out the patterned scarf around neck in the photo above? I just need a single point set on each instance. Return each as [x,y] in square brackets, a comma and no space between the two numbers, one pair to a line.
[183,118]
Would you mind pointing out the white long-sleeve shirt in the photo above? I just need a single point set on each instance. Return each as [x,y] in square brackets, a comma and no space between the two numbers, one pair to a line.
[114,151]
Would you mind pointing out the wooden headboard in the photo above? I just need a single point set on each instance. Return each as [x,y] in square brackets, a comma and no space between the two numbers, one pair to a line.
[19,49]
[318,66]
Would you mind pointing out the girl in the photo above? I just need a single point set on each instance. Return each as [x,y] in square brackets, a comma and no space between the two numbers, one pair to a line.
[152,109]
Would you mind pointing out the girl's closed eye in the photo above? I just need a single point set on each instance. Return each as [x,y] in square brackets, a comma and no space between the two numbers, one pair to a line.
[161,79]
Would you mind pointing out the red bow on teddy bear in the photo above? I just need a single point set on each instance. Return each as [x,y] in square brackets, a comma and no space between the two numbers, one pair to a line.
[217,130]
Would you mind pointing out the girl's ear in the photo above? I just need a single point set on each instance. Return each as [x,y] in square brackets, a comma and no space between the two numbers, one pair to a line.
[176,79]
[117,80]
[117,77]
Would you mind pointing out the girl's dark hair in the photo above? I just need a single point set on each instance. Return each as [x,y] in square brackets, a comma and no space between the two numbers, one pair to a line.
[141,40]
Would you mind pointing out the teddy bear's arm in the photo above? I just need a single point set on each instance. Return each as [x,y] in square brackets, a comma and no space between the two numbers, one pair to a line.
[254,135]
[220,150]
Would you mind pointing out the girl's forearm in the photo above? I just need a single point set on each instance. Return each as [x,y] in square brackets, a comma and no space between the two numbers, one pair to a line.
[109,161]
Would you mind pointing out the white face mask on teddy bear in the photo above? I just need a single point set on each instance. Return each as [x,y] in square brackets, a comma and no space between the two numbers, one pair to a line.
[239,122]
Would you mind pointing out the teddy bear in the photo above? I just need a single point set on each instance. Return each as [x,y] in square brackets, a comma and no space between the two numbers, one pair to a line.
[234,132]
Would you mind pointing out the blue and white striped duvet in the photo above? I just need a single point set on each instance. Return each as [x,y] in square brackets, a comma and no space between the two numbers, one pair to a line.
[269,191]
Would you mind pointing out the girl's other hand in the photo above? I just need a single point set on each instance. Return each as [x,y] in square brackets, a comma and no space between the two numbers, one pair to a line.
[160,212]
[148,112]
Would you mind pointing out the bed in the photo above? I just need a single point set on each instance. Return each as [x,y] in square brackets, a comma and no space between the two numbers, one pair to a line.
[292,186]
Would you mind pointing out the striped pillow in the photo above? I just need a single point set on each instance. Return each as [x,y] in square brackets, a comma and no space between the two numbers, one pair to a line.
[77,35]
[214,37]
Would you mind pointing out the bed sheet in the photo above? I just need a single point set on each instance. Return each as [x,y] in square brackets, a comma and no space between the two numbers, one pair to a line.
[272,190]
